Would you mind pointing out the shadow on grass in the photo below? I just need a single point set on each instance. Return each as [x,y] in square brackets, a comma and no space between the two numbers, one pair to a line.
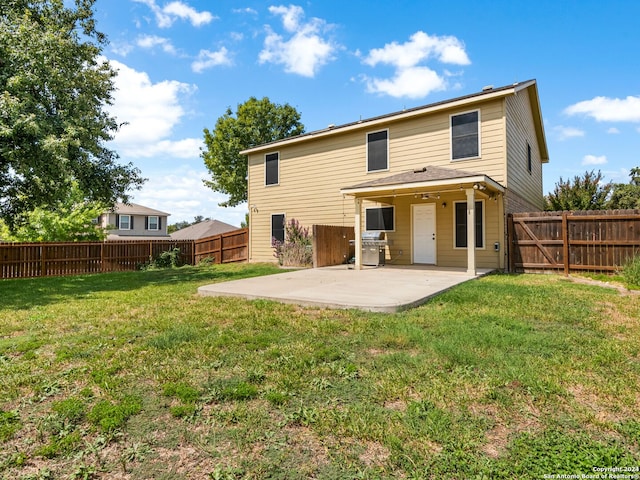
[30,292]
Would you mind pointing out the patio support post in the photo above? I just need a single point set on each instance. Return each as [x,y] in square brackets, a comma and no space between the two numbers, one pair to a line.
[358,233]
[471,231]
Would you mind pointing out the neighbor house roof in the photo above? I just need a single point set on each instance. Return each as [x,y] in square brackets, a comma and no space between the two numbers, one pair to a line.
[204,229]
[135,209]
[426,177]
[487,93]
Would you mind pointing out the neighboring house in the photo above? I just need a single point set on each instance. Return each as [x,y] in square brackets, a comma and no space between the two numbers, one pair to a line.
[435,178]
[134,222]
[207,228]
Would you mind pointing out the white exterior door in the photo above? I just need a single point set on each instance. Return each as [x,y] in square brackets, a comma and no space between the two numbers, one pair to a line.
[424,233]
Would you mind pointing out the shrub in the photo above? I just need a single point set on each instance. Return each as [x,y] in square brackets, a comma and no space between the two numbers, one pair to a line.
[168,259]
[295,251]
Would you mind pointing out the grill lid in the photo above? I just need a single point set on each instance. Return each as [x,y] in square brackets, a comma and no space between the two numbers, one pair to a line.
[372,235]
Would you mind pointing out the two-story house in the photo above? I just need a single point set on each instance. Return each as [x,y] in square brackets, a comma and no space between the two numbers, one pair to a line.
[134,222]
[436,179]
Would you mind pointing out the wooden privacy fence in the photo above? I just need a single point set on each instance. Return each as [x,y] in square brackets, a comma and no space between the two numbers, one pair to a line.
[331,245]
[22,260]
[598,240]
[224,248]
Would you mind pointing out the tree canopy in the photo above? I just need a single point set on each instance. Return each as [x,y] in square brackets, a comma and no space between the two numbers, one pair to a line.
[54,87]
[256,122]
[627,195]
[587,192]
[70,220]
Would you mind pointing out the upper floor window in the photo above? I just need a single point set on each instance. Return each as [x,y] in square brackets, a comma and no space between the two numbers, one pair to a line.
[465,135]
[271,169]
[380,218]
[125,222]
[378,151]
[153,222]
[529,157]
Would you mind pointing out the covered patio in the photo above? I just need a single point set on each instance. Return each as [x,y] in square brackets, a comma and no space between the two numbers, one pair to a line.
[405,205]
[383,289]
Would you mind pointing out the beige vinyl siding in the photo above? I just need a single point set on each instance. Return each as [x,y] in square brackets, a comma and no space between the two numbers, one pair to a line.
[520,130]
[138,229]
[313,172]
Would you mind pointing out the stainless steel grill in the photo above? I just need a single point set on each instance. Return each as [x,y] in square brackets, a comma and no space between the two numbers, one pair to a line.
[373,248]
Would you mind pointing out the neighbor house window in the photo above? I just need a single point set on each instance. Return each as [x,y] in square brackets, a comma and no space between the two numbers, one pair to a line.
[528,157]
[461,224]
[277,227]
[125,222]
[465,135]
[378,151]
[380,218]
[271,169]
[153,222]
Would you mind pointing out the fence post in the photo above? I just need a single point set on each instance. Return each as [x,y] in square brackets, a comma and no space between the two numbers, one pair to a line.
[43,263]
[510,242]
[565,243]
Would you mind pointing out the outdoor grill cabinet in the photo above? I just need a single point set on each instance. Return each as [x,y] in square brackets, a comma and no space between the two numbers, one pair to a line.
[373,248]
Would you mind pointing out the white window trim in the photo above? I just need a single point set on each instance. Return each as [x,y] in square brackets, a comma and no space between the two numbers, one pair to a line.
[271,226]
[128,222]
[157,223]
[366,146]
[378,208]
[265,170]
[484,224]
[479,136]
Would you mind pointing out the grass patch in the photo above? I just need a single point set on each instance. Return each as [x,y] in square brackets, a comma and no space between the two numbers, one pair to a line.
[131,374]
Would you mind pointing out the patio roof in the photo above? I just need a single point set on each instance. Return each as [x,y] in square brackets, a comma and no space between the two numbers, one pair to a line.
[425,178]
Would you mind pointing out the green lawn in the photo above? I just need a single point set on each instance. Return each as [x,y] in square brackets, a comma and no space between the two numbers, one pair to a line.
[133,376]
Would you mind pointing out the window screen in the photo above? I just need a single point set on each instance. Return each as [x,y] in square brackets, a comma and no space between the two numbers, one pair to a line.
[277,227]
[379,218]
[461,225]
[271,169]
[377,151]
[464,136]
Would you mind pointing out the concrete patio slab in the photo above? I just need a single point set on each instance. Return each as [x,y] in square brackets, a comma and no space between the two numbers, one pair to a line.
[382,289]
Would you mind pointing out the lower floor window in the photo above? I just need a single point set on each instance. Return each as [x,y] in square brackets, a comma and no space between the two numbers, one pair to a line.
[277,228]
[461,224]
[380,218]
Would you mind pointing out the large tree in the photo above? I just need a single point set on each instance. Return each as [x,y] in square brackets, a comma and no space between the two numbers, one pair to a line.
[627,195]
[54,87]
[70,220]
[255,122]
[587,192]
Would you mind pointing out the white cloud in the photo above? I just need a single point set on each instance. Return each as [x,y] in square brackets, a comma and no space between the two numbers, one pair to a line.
[411,79]
[564,133]
[166,15]
[248,10]
[151,111]
[151,41]
[420,47]
[613,131]
[183,194]
[121,48]
[207,59]
[593,160]
[306,51]
[413,82]
[604,109]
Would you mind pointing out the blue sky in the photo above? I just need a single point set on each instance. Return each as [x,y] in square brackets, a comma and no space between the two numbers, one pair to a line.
[183,62]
